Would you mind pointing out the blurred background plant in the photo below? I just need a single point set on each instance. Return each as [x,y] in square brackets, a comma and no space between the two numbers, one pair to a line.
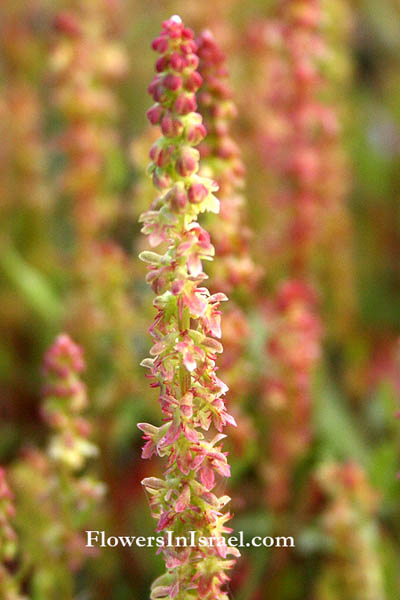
[314,375]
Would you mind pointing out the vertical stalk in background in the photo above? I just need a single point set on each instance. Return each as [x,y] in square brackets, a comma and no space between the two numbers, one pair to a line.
[184,333]
[70,447]
[234,271]
[57,494]
[9,585]
[293,352]
[87,62]
[21,112]
[352,570]
[29,309]
[297,111]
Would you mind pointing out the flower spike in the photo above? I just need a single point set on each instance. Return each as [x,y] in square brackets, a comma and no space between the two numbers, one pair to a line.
[185,331]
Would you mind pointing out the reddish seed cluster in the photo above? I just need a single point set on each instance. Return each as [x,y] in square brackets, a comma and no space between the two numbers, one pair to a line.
[293,348]
[65,400]
[183,363]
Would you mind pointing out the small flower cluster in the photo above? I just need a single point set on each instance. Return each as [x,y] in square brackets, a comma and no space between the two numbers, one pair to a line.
[185,333]
[64,401]
[354,572]
[293,349]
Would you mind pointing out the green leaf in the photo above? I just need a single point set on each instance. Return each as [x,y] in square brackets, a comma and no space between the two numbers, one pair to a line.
[34,288]
[335,425]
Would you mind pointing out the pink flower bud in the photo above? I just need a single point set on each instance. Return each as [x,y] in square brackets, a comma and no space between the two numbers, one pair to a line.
[192,61]
[171,126]
[161,179]
[188,47]
[173,27]
[197,193]
[162,64]
[159,94]
[185,104]
[193,81]
[177,62]
[195,133]
[154,152]
[160,44]
[187,33]
[164,157]
[172,82]
[177,198]
[188,162]
[154,114]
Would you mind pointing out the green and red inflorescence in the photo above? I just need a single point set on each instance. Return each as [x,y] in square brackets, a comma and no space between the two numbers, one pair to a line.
[72,487]
[221,156]
[294,349]
[352,569]
[64,401]
[185,333]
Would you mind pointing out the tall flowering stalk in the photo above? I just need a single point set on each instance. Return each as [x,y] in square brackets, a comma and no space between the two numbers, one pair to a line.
[185,333]
[9,587]
[299,140]
[353,569]
[293,349]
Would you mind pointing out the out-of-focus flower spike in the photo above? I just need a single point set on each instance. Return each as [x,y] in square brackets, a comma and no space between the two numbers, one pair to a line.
[65,400]
[353,569]
[70,449]
[293,351]
[85,62]
[234,271]
[221,157]
[9,586]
